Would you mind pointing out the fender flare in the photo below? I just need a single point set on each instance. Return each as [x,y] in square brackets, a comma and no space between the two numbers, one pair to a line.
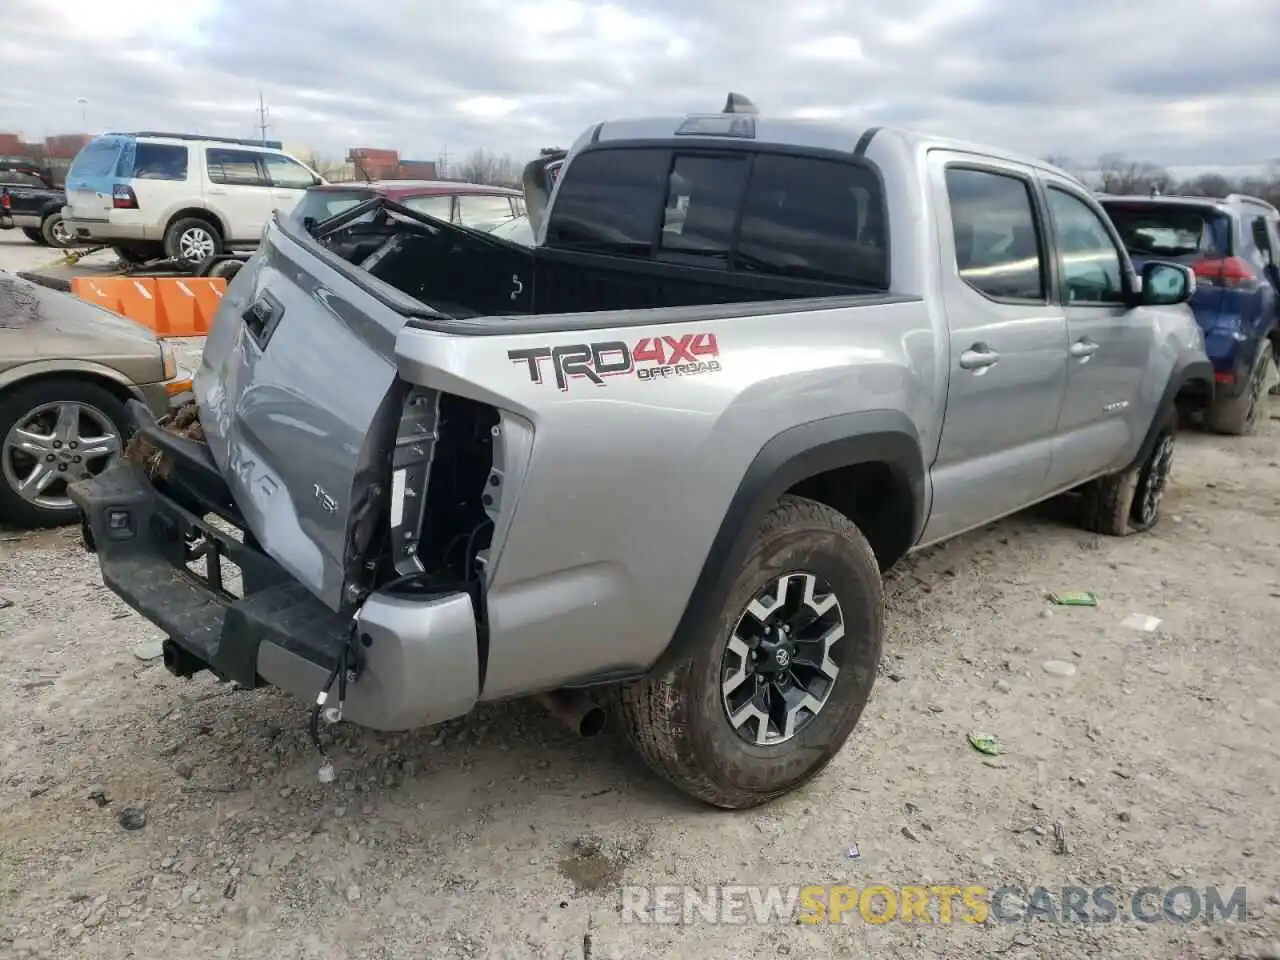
[1194,372]
[77,367]
[795,454]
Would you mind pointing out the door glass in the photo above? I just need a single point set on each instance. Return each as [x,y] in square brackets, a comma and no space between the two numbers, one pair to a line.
[814,220]
[287,173]
[15,178]
[1262,240]
[157,161]
[997,247]
[1087,257]
[703,196]
[438,206]
[237,168]
[482,212]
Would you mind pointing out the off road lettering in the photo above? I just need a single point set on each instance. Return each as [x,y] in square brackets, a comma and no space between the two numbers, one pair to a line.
[650,358]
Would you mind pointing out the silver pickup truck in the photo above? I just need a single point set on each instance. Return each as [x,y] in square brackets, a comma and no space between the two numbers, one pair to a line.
[659,460]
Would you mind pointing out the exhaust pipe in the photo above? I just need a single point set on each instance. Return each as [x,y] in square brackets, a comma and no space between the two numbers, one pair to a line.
[575,710]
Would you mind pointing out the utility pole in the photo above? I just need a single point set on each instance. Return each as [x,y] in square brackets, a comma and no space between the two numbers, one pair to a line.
[262,118]
[443,172]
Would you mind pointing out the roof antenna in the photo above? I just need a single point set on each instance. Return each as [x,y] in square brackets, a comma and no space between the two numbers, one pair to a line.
[737,103]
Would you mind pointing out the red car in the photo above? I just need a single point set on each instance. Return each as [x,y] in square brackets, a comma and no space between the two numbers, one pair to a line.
[475,205]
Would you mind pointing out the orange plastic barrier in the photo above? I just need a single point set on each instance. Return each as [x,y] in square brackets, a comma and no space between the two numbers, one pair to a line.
[171,306]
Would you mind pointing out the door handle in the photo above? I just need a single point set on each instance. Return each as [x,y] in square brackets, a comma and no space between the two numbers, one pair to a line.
[1084,348]
[979,357]
[218,193]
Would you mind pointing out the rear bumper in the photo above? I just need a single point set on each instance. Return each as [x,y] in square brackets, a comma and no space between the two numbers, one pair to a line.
[418,654]
[104,231]
[11,221]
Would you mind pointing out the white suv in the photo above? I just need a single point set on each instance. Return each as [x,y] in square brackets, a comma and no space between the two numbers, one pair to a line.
[152,195]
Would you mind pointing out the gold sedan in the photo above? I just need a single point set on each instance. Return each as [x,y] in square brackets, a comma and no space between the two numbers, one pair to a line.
[67,368]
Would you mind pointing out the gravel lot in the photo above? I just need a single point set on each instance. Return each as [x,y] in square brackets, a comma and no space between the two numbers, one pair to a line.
[1150,759]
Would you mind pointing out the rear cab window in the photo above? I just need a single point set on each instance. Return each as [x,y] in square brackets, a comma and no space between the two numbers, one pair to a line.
[743,211]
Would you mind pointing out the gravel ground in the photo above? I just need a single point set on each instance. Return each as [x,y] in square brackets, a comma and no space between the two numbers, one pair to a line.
[1139,758]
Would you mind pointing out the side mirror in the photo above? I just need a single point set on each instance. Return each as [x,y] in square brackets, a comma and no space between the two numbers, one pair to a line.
[1165,284]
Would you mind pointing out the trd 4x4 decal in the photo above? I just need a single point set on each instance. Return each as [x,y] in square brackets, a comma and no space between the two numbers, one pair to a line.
[651,358]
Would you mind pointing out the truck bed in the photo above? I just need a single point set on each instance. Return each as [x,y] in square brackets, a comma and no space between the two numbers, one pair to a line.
[458,273]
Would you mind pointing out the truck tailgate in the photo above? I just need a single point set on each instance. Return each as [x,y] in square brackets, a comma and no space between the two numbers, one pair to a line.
[295,391]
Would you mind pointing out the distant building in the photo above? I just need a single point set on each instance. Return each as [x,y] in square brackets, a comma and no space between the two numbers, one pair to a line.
[375,163]
[55,153]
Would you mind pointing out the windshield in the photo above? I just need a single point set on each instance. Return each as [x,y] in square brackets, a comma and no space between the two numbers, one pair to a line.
[320,205]
[1171,230]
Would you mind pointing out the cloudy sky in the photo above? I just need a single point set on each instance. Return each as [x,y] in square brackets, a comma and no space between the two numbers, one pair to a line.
[1182,82]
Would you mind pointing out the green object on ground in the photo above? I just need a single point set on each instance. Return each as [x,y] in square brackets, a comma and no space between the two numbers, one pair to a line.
[986,743]
[1074,599]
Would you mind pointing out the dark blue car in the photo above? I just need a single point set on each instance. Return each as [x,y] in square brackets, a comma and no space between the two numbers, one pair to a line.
[1233,245]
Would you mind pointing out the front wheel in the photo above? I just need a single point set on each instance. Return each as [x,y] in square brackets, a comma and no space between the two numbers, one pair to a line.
[763,702]
[1130,502]
[34,235]
[52,433]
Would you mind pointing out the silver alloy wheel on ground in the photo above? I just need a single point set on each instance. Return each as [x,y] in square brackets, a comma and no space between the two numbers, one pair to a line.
[196,244]
[778,669]
[61,235]
[56,444]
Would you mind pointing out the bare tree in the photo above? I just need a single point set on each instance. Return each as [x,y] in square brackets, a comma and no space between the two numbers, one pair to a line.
[480,166]
[1120,175]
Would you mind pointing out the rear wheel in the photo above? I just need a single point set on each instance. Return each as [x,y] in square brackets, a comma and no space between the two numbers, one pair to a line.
[34,235]
[191,241]
[763,702]
[1237,416]
[52,433]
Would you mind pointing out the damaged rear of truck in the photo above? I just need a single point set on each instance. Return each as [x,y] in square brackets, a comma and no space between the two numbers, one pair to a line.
[435,468]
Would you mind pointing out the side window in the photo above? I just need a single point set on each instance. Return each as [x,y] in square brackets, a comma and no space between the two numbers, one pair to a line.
[1262,240]
[237,168]
[609,201]
[286,172]
[703,195]
[814,220]
[993,221]
[15,178]
[483,211]
[439,206]
[160,161]
[1087,257]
